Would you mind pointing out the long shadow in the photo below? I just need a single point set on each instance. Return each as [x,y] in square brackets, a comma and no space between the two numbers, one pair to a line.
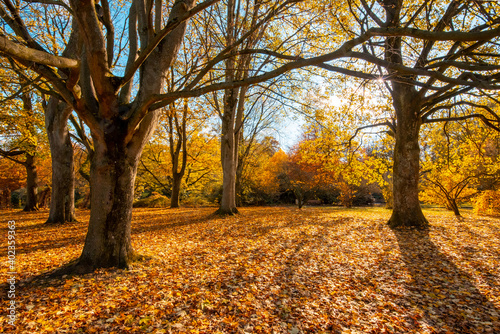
[155,225]
[446,295]
[51,244]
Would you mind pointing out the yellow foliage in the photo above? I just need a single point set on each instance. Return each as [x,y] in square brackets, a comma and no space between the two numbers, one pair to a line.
[487,203]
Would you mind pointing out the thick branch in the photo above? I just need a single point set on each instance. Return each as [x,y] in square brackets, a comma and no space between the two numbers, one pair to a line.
[37,56]
[461,36]
[483,118]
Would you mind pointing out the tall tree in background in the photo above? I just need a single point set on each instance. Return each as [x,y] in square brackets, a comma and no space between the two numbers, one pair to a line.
[245,27]
[57,115]
[177,139]
[62,200]
[232,108]
[22,148]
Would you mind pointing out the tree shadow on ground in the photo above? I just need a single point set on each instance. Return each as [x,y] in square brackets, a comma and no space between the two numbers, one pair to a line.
[446,295]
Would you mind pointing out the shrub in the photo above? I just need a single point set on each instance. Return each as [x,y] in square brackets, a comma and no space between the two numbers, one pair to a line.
[155,200]
[195,202]
[487,203]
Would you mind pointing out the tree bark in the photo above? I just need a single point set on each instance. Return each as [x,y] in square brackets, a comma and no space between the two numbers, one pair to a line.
[176,189]
[406,206]
[112,176]
[229,153]
[175,151]
[454,206]
[31,183]
[407,105]
[237,184]
[62,201]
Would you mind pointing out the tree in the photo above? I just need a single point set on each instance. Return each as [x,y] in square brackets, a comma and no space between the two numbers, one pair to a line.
[428,56]
[11,174]
[24,135]
[235,24]
[57,115]
[119,127]
[179,134]
[455,161]
[177,127]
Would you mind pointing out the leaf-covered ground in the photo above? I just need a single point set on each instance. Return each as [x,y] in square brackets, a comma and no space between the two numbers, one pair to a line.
[268,270]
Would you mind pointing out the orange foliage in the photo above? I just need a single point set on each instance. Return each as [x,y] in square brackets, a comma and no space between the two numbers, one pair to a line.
[12,175]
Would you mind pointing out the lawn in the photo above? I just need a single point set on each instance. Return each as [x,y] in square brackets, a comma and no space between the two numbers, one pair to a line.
[268,270]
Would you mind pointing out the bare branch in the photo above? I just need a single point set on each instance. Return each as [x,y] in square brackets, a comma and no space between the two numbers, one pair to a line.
[160,36]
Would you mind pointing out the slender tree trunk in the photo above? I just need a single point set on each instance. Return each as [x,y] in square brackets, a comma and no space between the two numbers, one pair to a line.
[238,189]
[176,189]
[300,199]
[31,184]
[229,157]
[112,177]
[175,151]
[406,206]
[62,202]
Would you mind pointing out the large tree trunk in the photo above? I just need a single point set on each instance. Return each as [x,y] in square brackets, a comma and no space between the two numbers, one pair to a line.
[31,183]
[406,206]
[62,201]
[112,177]
[407,104]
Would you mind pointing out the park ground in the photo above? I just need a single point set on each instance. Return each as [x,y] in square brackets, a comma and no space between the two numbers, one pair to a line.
[267,270]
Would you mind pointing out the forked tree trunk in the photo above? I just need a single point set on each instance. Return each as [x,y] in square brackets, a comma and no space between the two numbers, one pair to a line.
[406,206]
[175,152]
[112,177]
[62,202]
[31,183]
[453,206]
